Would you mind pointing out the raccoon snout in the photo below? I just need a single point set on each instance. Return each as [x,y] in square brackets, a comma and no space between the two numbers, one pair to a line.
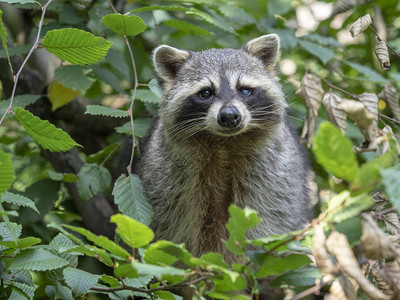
[229,117]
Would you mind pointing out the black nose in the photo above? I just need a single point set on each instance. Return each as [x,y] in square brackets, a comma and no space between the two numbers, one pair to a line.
[229,117]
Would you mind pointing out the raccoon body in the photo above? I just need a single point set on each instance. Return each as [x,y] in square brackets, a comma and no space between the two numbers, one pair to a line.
[222,137]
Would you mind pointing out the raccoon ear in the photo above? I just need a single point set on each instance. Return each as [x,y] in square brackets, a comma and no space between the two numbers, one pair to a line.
[168,60]
[266,48]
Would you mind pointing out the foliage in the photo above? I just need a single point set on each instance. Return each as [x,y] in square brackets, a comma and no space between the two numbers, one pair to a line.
[65,126]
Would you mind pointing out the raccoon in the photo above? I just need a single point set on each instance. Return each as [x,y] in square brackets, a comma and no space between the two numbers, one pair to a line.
[222,137]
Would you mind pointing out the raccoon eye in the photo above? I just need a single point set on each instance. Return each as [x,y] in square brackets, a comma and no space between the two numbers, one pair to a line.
[206,94]
[245,91]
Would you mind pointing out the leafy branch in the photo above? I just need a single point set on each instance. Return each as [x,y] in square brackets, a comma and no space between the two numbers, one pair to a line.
[34,46]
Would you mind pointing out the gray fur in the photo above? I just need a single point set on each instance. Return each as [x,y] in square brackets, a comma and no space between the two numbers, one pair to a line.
[194,169]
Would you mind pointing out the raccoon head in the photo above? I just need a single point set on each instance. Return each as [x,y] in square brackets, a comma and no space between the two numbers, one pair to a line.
[224,92]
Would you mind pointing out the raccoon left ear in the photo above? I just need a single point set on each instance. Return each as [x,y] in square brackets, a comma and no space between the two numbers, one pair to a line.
[266,48]
[168,60]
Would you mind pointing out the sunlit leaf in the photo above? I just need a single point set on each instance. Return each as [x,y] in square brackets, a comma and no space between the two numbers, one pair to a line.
[18,200]
[6,172]
[124,25]
[60,95]
[105,111]
[79,281]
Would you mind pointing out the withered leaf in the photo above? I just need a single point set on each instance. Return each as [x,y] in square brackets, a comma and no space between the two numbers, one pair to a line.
[375,243]
[339,246]
[319,252]
[342,289]
[357,111]
[360,25]
[391,96]
[337,116]
[392,223]
[382,53]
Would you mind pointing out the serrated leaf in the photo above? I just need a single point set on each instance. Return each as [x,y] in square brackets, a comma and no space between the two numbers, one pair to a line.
[19,101]
[111,281]
[157,271]
[6,232]
[155,88]
[186,27]
[76,46]
[103,155]
[141,127]
[147,96]
[74,77]
[271,265]
[60,95]
[334,152]
[166,253]
[16,50]
[132,199]
[124,25]
[323,53]
[79,281]
[21,243]
[37,260]
[391,181]
[239,222]
[132,232]
[61,291]
[302,277]
[3,36]
[62,243]
[223,283]
[210,19]
[101,241]
[93,179]
[44,133]
[324,40]
[18,200]
[236,14]
[6,172]
[126,270]
[106,111]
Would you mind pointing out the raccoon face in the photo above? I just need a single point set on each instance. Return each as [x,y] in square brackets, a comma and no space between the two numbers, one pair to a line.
[224,92]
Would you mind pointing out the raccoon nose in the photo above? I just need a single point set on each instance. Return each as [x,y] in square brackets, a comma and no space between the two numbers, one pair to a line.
[229,117]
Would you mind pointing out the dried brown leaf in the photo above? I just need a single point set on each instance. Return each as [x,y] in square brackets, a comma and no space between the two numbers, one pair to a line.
[319,252]
[382,53]
[357,111]
[381,280]
[391,96]
[370,101]
[375,243]
[360,25]
[392,223]
[341,6]
[392,272]
[337,116]
[339,246]
[342,289]
[311,92]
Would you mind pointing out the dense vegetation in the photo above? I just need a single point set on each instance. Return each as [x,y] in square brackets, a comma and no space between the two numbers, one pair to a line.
[77,84]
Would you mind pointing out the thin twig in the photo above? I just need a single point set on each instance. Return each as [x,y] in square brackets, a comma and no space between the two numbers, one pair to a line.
[34,46]
[314,289]
[389,118]
[379,39]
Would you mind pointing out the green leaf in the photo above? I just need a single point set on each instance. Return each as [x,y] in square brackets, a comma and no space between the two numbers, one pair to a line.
[147,96]
[324,40]
[278,7]
[334,152]
[101,241]
[111,281]
[209,19]
[19,101]
[367,71]
[3,36]
[18,200]
[76,46]
[21,243]
[124,25]
[323,53]
[132,232]
[155,88]
[272,265]
[18,1]
[93,179]
[126,270]
[391,182]
[224,283]
[103,155]
[302,277]
[237,15]
[6,172]
[141,127]
[215,262]
[44,133]
[106,111]
[62,243]
[239,222]
[342,207]
[79,281]
[186,27]
[64,177]
[160,7]
[60,95]
[166,253]
[7,229]
[74,77]
[37,260]
[16,50]
[157,271]
[131,198]
[227,295]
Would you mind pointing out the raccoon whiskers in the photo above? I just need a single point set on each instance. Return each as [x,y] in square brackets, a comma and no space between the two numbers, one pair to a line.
[187,126]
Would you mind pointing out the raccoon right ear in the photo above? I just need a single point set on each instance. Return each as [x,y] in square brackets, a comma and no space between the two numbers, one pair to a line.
[168,60]
[266,48]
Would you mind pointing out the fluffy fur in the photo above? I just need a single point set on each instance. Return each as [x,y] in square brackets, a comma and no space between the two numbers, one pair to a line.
[194,165]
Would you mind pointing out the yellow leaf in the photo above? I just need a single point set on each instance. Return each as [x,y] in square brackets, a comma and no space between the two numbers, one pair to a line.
[60,95]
